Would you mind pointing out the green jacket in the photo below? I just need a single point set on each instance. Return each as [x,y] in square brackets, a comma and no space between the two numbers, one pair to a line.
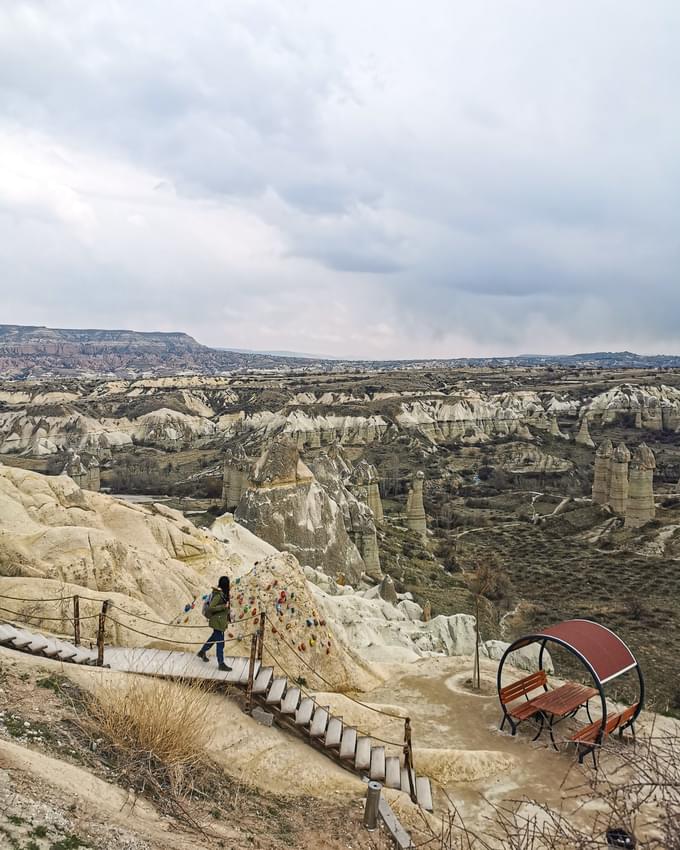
[219,611]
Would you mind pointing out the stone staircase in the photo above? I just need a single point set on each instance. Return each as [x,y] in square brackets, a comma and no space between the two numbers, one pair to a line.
[289,705]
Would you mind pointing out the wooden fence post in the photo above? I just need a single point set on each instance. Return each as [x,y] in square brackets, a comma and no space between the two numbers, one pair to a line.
[408,759]
[260,637]
[100,633]
[76,620]
[251,672]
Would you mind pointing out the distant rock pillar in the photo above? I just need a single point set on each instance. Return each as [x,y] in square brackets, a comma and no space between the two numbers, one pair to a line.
[415,509]
[555,429]
[638,419]
[427,611]
[602,476]
[93,475]
[583,437]
[388,590]
[365,487]
[234,478]
[618,487]
[640,508]
[375,502]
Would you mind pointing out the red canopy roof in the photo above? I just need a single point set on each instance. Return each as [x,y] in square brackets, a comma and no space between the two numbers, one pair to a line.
[606,653]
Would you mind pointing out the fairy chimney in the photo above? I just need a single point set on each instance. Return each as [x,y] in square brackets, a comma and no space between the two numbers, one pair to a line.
[640,508]
[555,429]
[618,487]
[364,484]
[602,476]
[583,437]
[415,509]
[235,477]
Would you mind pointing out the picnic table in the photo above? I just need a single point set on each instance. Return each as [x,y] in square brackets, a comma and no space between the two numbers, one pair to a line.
[562,702]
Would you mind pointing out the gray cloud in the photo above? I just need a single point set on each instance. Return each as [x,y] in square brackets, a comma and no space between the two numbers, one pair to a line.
[359,178]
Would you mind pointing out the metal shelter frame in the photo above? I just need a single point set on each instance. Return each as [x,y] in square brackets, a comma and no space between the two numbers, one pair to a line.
[602,652]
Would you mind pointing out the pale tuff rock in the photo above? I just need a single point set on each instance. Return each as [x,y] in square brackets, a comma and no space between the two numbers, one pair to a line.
[640,508]
[525,658]
[473,418]
[655,408]
[415,509]
[285,505]
[618,488]
[84,471]
[330,469]
[388,591]
[583,437]
[521,459]
[602,474]
[555,429]
[315,431]
[235,476]
[365,487]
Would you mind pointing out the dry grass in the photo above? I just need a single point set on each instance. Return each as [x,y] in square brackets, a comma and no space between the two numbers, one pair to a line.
[155,731]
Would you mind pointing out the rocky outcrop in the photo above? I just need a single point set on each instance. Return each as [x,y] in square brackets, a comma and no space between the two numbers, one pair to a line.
[285,505]
[525,459]
[602,474]
[84,471]
[415,509]
[234,477]
[640,508]
[471,417]
[555,429]
[618,487]
[331,471]
[364,483]
[655,408]
[583,437]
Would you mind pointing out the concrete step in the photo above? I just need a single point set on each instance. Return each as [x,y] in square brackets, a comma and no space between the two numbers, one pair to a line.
[348,745]
[37,644]
[393,772]
[319,722]
[333,733]
[291,701]
[362,759]
[303,715]
[263,679]
[276,691]
[424,793]
[377,769]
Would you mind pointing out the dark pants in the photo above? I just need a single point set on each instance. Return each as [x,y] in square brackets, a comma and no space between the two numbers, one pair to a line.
[217,638]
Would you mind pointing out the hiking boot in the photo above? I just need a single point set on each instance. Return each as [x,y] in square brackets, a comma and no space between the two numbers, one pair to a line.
[223,667]
[202,656]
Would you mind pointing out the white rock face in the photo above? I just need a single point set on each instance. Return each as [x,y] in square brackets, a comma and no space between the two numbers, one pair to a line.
[524,658]
[171,429]
[656,407]
[472,418]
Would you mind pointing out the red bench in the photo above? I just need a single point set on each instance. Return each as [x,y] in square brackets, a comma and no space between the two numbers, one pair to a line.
[522,710]
[588,739]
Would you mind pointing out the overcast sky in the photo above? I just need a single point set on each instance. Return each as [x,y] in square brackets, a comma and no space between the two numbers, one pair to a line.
[375,178]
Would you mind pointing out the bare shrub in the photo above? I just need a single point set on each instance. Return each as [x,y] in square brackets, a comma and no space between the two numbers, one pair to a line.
[156,731]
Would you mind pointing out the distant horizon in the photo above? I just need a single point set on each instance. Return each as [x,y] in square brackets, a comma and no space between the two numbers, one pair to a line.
[309,356]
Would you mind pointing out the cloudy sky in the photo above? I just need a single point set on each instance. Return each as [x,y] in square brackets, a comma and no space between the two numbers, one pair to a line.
[383,178]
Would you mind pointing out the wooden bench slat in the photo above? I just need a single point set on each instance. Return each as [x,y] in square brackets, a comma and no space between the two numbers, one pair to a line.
[523,687]
[589,733]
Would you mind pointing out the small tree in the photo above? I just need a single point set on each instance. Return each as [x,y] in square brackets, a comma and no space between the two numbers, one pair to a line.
[488,582]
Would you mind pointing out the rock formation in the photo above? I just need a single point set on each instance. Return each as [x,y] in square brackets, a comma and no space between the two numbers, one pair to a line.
[285,505]
[330,470]
[84,471]
[555,429]
[618,486]
[654,407]
[602,475]
[235,477]
[415,509]
[583,437]
[365,487]
[640,508]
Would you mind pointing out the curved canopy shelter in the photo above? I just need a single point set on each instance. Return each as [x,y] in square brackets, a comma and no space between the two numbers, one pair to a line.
[603,654]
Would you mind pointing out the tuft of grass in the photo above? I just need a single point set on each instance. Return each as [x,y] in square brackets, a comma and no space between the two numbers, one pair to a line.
[156,731]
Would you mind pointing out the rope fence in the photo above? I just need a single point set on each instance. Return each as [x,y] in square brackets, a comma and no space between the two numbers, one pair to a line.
[257,650]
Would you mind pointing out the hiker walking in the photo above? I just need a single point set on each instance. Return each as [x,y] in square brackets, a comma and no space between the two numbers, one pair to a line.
[217,610]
